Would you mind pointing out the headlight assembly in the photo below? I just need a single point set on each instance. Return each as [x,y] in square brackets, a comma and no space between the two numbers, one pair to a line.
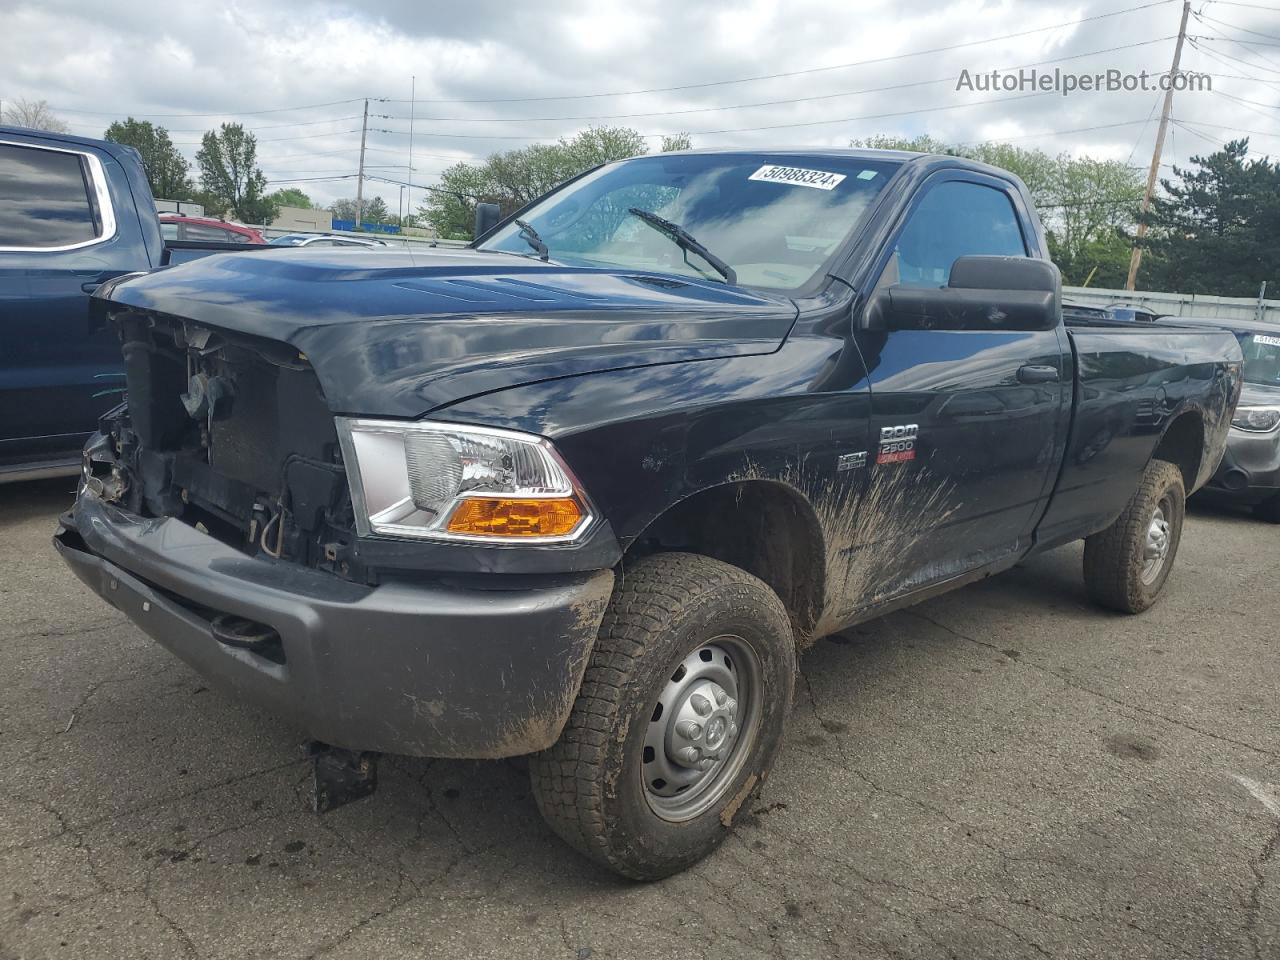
[443,481]
[1256,419]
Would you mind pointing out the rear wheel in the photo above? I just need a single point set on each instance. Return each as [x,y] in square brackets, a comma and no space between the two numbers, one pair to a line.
[1126,565]
[679,718]
[1268,510]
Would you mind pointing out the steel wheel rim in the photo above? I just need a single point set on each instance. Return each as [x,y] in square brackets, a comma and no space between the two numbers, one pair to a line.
[1155,549]
[702,728]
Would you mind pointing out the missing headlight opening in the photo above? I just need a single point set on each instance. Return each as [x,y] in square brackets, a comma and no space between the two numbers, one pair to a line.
[231,433]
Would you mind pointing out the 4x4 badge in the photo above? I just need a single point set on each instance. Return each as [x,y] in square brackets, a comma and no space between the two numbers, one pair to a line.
[851,461]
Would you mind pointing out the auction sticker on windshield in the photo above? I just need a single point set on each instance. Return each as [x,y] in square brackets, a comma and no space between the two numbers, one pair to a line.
[797,176]
[1269,341]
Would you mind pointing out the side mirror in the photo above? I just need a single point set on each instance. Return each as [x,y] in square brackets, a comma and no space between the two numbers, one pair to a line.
[984,293]
[487,217]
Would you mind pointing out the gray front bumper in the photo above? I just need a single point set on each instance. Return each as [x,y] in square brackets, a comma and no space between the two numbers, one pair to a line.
[436,670]
[1250,469]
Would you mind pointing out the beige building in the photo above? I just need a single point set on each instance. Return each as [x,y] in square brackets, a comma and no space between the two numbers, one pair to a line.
[303,219]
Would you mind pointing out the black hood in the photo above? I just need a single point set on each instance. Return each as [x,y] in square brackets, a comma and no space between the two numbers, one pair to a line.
[398,333]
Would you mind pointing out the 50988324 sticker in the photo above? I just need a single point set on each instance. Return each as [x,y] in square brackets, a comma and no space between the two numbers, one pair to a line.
[798,176]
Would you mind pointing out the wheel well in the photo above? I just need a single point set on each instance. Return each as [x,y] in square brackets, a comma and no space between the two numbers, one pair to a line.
[1183,446]
[764,527]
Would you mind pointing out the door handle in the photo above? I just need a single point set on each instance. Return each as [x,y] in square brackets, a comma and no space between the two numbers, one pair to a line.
[1037,373]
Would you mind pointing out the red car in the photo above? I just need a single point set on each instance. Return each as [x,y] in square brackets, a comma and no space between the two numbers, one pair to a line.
[176,227]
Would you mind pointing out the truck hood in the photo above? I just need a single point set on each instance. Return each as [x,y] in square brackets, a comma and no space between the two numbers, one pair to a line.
[399,333]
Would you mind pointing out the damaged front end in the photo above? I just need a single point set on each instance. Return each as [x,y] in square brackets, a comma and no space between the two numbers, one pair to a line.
[230,434]
[215,512]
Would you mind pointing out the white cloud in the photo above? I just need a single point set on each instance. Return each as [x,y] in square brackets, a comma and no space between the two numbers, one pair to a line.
[103,60]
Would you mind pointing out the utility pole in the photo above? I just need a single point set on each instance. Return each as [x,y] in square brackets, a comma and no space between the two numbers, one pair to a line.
[364,130]
[413,90]
[1136,257]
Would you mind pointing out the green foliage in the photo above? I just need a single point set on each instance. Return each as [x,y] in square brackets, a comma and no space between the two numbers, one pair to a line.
[229,173]
[1217,228]
[375,211]
[290,197]
[167,170]
[1085,205]
[344,209]
[516,177]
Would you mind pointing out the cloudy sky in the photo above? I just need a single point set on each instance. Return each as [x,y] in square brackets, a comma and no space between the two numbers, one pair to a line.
[493,76]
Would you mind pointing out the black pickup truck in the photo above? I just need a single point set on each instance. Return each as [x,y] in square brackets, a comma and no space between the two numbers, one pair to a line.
[585,490]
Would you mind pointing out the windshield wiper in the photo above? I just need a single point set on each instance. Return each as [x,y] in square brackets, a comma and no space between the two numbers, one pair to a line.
[685,241]
[531,237]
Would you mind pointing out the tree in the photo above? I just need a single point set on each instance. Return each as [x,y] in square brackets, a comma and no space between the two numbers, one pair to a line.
[32,113]
[1217,229]
[289,197]
[516,177]
[230,175]
[343,209]
[167,170]
[375,211]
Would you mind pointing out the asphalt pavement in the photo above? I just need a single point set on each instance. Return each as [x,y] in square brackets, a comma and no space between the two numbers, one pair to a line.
[1003,772]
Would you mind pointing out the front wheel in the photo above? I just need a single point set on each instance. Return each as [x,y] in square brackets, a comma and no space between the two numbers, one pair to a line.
[1126,564]
[679,718]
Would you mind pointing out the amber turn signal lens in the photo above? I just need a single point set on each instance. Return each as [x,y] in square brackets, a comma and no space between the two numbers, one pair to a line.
[515,518]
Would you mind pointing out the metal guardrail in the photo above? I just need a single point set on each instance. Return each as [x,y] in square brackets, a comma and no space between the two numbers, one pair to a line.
[1182,304]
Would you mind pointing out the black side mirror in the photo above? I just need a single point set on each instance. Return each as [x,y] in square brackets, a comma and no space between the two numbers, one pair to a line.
[984,293]
[487,217]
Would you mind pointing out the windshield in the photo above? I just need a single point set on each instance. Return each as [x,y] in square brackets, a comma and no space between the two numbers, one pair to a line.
[291,239]
[774,220]
[1261,357]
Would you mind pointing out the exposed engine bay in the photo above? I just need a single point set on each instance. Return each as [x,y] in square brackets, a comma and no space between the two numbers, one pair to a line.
[231,434]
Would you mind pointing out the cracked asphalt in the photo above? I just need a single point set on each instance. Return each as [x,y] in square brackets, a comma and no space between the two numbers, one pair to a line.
[1003,772]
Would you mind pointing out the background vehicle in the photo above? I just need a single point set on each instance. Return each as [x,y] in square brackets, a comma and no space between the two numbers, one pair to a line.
[74,212]
[1250,470]
[323,240]
[177,227]
[1132,312]
[585,490]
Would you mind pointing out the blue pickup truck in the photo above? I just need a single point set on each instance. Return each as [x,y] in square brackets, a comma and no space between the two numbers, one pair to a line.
[74,212]
[585,490]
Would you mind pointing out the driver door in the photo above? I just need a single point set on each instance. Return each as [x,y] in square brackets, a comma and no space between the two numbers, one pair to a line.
[967,426]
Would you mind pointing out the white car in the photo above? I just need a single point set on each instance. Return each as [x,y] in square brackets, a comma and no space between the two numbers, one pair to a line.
[323,240]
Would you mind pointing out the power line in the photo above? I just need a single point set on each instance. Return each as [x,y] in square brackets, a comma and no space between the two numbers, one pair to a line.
[1218,55]
[772,103]
[1202,16]
[775,126]
[233,113]
[1254,6]
[274,126]
[798,73]
[1235,129]
[309,136]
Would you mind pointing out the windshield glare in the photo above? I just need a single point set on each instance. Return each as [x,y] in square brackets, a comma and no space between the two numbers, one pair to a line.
[1261,358]
[774,219]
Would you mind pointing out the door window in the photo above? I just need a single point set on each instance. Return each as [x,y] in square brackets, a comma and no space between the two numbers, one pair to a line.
[46,199]
[955,219]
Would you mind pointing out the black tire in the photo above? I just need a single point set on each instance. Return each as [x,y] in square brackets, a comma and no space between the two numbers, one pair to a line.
[591,786]
[1268,510]
[1115,564]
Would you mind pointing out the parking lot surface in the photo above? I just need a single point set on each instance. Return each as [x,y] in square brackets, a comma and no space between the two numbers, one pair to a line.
[1002,772]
